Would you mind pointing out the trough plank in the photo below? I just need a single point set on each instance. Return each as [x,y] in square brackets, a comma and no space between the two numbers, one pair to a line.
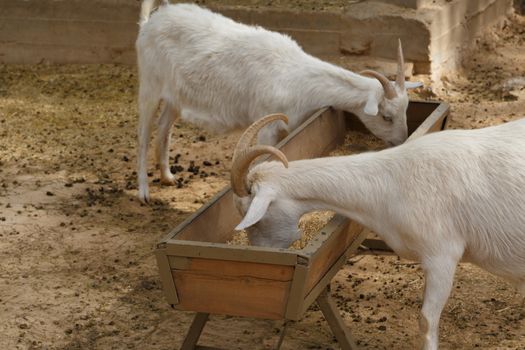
[246,296]
[316,137]
[233,268]
[342,235]
[434,121]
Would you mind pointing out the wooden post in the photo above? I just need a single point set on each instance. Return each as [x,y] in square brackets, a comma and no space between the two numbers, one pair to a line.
[335,321]
[197,325]
[283,333]
[194,333]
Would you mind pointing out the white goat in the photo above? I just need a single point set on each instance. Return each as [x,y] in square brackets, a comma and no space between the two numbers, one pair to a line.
[222,75]
[444,197]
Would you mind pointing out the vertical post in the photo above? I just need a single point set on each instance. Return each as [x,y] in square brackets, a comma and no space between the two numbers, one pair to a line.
[283,333]
[194,333]
[335,321]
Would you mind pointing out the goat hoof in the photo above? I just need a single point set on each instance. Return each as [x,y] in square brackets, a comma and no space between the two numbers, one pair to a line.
[144,198]
[168,180]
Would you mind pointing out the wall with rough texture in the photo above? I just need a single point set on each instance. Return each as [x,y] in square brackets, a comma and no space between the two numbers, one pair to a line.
[68,31]
[519,6]
[455,27]
[75,31]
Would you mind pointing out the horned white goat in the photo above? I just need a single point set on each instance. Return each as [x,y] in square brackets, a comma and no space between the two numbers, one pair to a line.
[222,75]
[441,198]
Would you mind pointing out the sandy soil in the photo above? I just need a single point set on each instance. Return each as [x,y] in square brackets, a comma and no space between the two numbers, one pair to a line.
[76,248]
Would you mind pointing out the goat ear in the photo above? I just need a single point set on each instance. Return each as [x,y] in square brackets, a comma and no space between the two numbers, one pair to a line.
[413,84]
[256,211]
[371,107]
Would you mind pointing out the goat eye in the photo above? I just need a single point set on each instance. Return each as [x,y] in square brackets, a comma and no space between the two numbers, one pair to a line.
[387,118]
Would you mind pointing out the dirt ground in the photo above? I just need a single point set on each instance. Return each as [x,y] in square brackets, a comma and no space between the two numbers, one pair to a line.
[77,269]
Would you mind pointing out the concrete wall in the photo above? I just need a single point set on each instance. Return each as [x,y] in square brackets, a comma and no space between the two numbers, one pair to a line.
[415,4]
[434,33]
[74,31]
[519,6]
[68,31]
[455,27]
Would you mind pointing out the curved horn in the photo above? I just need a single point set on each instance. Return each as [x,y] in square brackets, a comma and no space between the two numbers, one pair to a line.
[248,135]
[241,165]
[400,78]
[243,155]
[390,92]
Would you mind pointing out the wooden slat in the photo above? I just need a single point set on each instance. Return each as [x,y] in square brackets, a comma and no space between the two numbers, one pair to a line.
[327,277]
[434,122]
[417,112]
[294,303]
[324,258]
[215,221]
[216,294]
[316,137]
[231,287]
[166,278]
[238,269]
[265,255]
[194,333]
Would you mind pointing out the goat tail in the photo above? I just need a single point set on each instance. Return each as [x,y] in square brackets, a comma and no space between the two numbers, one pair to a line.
[146,8]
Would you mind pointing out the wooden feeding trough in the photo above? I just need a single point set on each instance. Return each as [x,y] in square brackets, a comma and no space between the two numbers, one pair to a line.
[201,273]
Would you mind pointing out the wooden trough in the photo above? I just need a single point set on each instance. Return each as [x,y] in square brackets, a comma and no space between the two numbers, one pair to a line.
[201,273]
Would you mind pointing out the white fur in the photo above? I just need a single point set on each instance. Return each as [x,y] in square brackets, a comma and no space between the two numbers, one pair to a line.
[222,75]
[445,197]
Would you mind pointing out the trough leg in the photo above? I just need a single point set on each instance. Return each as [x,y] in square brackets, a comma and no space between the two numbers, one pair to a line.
[197,325]
[283,333]
[336,323]
[192,337]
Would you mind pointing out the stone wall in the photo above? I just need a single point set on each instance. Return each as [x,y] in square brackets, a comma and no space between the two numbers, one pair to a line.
[519,6]
[68,31]
[434,33]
